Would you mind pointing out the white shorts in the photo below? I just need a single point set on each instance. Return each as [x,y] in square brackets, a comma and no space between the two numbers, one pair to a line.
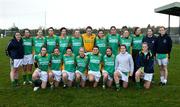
[83,76]
[57,75]
[162,61]
[109,77]
[148,76]
[124,77]
[15,63]
[42,74]
[71,75]
[96,75]
[28,59]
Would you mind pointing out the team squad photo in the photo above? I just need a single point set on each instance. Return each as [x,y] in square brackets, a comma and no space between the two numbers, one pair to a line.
[77,60]
[89,53]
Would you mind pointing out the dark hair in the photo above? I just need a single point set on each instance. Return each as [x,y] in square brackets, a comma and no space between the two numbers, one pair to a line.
[125,30]
[124,27]
[68,48]
[112,27]
[162,27]
[151,29]
[63,28]
[51,28]
[135,29]
[43,47]
[96,47]
[100,30]
[123,45]
[26,30]
[56,48]
[109,48]
[76,30]
[145,43]
[15,33]
[88,27]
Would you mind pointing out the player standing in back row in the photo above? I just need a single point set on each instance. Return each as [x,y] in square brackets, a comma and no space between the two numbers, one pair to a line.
[76,42]
[163,48]
[113,40]
[28,57]
[137,38]
[15,51]
[51,40]
[88,40]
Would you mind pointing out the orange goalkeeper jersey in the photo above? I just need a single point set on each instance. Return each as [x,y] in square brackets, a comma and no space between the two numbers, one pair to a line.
[88,41]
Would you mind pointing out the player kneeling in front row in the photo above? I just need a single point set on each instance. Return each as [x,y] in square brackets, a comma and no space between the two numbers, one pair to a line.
[81,65]
[124,67]
[145,65]
[55,74]
[40,75]
[94,66]
[108,71]
[68,74]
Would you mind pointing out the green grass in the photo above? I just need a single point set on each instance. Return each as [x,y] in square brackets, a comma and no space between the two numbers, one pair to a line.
[157,96]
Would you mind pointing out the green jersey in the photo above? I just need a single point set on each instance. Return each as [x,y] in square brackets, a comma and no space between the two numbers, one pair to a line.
[51,43]
[38,43]
[137,42]
[113,41]
[109,64]
[27,43]
[127,42]
[76,43]
[101,43]
[63,44]
[81,64]
[43,62]
[69,63]
[94,62]
[56,62]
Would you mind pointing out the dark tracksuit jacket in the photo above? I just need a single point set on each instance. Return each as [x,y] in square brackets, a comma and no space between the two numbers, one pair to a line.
[163,45]
[146,61]
[15,49]
[151,43]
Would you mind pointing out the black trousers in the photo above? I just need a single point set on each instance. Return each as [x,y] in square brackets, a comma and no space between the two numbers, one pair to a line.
[134,56]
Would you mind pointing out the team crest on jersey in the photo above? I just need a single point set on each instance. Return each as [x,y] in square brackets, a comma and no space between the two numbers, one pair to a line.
[164,41]
[92,37]
[153,41]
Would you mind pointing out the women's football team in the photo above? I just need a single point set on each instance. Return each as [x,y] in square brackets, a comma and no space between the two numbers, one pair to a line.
[111,59]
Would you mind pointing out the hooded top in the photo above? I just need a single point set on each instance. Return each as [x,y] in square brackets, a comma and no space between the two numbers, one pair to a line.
[15,49]
[163,45]
[124,62]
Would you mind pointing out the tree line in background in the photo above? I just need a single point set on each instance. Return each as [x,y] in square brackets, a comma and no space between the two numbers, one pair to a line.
[12,30]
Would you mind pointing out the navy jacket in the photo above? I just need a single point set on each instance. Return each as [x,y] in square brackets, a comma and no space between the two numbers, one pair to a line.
[163,44]
[15,49]
[146,61]
[151,43]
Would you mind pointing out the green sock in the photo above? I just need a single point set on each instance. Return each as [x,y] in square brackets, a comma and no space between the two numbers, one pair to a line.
[24,77]
[78,83]
[16,81]
[117,85]
[30,77]
[37,82]
[13,83]
[138,85]
[104,81]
